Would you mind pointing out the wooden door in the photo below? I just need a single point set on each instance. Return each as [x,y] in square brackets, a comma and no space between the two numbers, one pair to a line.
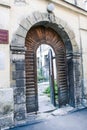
[31,82]
[35,37]
[63,91]
[51,78]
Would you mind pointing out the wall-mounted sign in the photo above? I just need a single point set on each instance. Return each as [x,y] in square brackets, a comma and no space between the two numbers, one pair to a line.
[2,60]
[3,36]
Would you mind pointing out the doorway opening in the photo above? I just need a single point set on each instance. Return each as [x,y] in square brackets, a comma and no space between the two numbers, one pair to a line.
[36,37]
[46,79]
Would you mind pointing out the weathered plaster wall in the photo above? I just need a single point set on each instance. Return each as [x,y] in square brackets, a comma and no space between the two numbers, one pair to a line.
[83,33]
[11,19]
[18,13]
[73,18]
[5,2]
[4,49]
[6,92]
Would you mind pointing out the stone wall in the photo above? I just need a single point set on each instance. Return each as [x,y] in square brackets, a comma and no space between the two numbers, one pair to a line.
[6,107]
[17,58]
[83,33]
[18,84]
[6,92]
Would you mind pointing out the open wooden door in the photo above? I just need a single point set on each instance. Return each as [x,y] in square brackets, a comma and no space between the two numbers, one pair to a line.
[51,78]
[35,37]
[63,91]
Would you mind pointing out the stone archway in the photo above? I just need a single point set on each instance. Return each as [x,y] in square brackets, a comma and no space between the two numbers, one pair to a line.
[35,37]
[18,59]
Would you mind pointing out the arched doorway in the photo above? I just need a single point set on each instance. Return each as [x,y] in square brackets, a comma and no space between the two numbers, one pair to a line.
[46,79]
[35,37]
[18,49]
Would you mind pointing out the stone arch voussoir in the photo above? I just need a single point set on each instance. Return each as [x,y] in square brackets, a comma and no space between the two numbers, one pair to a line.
[36,17]
[63,25]
[18,56]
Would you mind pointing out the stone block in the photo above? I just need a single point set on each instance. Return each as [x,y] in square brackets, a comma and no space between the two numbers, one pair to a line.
[19,115]
[45,17]
[20,90]
[16,57]
[6,121]
[32,20]
[57,20]
[18,99]
[25,23]
[6,101]
[18,41]
[20,82]
[20,110]
[13,67]
[70,33]
[18,74]
[13,83]
[20,65]
[14,75]
[63,23]
[21,32]
[73,41]
[37,16]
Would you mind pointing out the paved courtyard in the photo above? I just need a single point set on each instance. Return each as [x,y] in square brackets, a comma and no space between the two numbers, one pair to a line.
[72,121]
[51,118]
[43,100]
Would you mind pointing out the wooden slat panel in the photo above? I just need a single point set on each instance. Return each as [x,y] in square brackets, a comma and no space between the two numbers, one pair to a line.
[62,78]
[31,88]
[35,37]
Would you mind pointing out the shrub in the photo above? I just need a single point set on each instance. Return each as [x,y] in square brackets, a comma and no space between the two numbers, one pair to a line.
[47,90]
[40,77]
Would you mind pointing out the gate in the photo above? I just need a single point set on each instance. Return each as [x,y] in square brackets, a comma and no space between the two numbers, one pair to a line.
[63,91]
[31,82]
[51,78]
[35,37]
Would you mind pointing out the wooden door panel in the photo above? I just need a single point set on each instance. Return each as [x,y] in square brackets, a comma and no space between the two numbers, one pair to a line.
[51,78]
[62,78]
[35,37]
[31,85]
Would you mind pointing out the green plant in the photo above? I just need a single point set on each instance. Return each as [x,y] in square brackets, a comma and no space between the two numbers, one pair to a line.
[47,90]
[40,77]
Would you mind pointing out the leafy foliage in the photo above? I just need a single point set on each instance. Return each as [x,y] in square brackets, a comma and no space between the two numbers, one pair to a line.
[47,90]
[40,77]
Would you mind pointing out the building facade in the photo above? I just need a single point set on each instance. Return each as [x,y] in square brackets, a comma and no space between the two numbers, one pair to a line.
[24,26]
